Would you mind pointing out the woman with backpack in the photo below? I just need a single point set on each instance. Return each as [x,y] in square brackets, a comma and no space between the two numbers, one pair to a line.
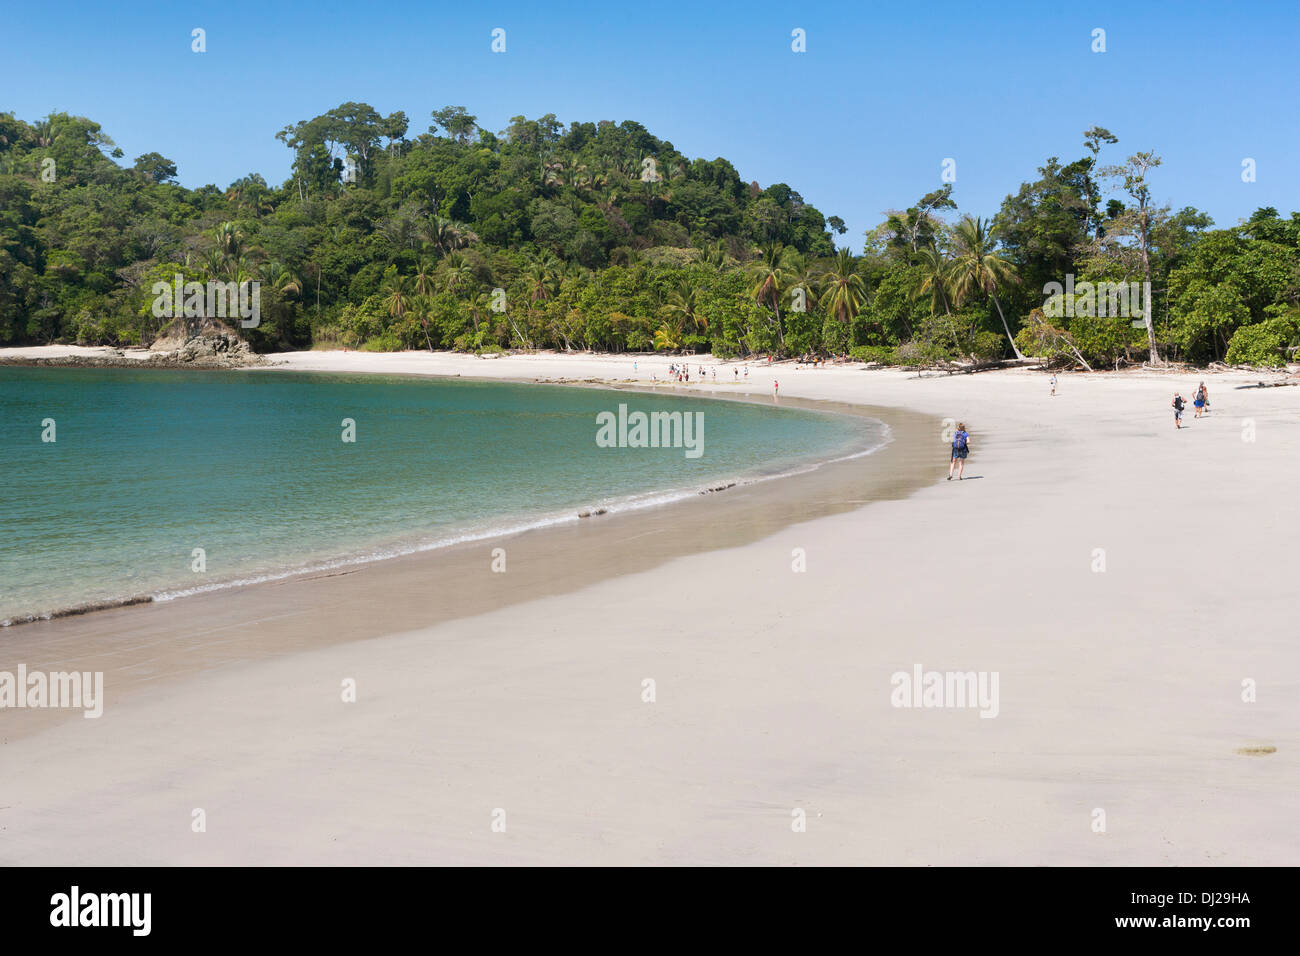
[960,449]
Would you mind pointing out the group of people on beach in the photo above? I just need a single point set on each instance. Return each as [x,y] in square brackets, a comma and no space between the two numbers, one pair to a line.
[682,372]
[961,437]
[1201,400]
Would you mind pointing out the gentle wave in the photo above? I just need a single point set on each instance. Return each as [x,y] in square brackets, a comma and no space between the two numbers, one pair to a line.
[629,503]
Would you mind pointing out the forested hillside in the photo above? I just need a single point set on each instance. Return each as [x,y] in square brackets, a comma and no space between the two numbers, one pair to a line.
[603,236]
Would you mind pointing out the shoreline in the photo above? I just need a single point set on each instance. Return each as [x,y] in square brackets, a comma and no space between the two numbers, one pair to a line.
[1120,691]
[759,505]
[106,356]
[135,357]
[355,560]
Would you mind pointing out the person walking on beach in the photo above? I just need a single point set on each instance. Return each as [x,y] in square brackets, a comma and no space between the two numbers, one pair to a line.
[1200,400]
[1178,404]
[1053,381]
[776,388]
[960,449]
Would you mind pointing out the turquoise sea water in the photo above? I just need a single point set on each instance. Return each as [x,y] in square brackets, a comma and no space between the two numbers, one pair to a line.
[148,466]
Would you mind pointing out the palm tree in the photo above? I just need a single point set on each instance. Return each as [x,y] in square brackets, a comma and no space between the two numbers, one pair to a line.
[478,305]
[457,273]
[935,270]
[282,279]
[936,274]
[422,308]
[250,194]
[424,278]
[552,174]
[978,268]
[455,235]
[580,176]
[397,299]
[213,263]
[44,131]
[228,242]
[683,302]
[438,231]
[845,293]
[464,235]
[540,278]
[769,282]
[808,278]
[228,238]
[508,318]
[666,338]
[541,282]
[241,270]
[715,255]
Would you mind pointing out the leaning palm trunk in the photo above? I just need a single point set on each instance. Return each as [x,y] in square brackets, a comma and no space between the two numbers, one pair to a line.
[1006,328]
[522,341]
[1079,356]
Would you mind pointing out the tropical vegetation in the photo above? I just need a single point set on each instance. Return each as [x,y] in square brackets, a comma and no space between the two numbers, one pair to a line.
[602,236]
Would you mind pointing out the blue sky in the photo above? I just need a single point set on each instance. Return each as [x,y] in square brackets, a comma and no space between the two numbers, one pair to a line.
[858,124]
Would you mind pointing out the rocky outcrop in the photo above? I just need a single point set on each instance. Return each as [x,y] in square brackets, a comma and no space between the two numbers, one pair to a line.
[216,349]
[214,346]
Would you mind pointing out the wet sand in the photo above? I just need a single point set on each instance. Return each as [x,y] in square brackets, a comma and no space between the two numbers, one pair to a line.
[140,645]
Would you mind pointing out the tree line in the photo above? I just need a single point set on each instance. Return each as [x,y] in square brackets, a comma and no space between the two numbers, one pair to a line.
[602,236]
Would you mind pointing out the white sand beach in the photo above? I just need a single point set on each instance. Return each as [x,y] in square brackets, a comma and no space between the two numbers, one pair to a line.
[1120,690]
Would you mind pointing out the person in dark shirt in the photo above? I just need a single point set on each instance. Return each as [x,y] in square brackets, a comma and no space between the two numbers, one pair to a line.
[960,449]
[1178,404]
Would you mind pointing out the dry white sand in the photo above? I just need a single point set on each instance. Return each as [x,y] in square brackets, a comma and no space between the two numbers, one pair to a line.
[71,351]
[1121,690]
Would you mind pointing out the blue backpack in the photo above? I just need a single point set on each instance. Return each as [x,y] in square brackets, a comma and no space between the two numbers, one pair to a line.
[959,440]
